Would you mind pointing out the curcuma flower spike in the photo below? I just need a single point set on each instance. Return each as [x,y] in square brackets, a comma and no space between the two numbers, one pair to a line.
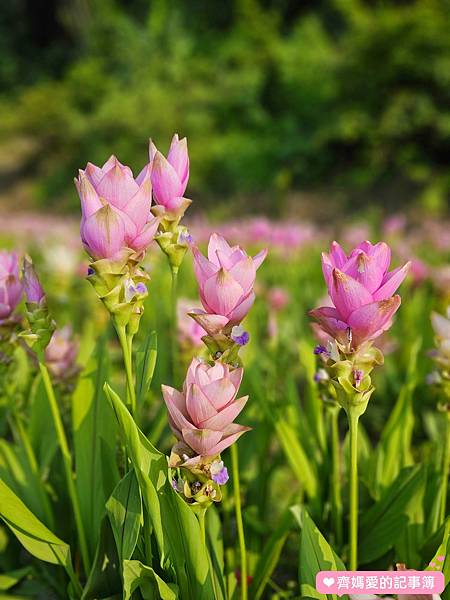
[169,178]
[115,209]
[202,414]
[41,323]
[226,280]
[362,291]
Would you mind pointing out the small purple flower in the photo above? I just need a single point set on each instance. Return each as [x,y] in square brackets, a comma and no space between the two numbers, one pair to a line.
[358,376]
[141,288]
[320,376]
[90,271]
[219,473]
[185,238]
[320,350]
[239,335]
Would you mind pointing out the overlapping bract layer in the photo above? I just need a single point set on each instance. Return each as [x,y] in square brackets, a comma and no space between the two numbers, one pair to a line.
[226,280]
[115,209]
[170,176]
[362,291]
[202,414]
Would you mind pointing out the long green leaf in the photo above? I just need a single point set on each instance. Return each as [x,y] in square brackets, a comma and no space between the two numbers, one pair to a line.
[175,526]
[315,555]
[383,524]
[152,587]
[31,533]
[124,509]
[94,441]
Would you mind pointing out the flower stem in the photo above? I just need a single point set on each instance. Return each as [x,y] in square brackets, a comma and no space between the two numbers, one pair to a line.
[174,323]
[239,522]
[336,476]
[67,462]
[445,469]
[353,419]
[125,344]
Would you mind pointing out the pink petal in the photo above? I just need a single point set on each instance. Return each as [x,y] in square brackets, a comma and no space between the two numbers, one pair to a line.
[203,268]
[373,318]
[146,236]
[103,233]
[90,202]
[380,252]
[217,371]
[211,323]
[220,392]
[364,269]
[347,294]
[117,186]
[94,173]
[226,416]
[259,258]
[233,432]
[391,282]
[327,267]
[198,405]
[337,257]
[179,159]
[217,243]
[176,408]
[241,310]
[152,150]
[244,273]
[202,440]
[165,181]
[330,321]
[222,292]
[138,207]
[236,377]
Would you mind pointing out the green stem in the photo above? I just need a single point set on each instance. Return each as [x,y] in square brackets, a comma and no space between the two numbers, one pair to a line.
[239,522]
[353,419]
[174,323]
[336,476]
[445,469]
[67,462]
[125,344]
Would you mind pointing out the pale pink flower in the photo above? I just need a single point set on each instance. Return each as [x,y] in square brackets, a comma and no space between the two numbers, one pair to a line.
[31,284]
[61,354]
[226,280]
[115,209]
[170,175]
[202,414]
[361,289]
[10,285]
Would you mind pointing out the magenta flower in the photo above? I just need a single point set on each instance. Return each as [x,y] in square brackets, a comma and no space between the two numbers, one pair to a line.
[202,414]
[31,284]
[115,209]
[226,280]
[10,285]
[170,175]
[361,289]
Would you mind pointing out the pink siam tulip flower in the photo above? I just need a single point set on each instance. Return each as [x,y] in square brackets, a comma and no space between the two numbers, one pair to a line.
[31,284]
[10,285]
[278,298]
[61,354]
[115,209]
[226,280]
[170,175]
[202,414]
[362,291]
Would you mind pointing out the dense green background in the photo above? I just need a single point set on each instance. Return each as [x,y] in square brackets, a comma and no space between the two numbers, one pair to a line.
[343,99]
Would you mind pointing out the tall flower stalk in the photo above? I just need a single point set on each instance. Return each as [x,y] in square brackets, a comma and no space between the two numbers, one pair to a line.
[364,302]
[38,337]
[116,230]
[202,414]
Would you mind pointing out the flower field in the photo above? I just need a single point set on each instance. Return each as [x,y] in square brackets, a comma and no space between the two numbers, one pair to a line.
[201,411]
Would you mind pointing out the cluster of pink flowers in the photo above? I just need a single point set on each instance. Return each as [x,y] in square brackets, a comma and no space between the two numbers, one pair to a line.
[117,207]
[362,291]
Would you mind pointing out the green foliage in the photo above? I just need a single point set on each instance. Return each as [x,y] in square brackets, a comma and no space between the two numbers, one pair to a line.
[273,96]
